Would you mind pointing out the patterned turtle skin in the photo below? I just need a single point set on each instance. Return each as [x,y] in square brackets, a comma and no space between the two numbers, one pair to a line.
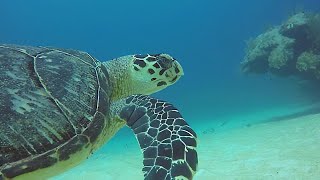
[59,105]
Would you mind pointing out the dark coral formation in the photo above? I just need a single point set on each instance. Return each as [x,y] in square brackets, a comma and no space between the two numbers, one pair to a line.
[292,48]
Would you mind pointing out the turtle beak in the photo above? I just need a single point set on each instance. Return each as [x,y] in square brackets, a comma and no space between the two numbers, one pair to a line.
[178,68]
[176,72]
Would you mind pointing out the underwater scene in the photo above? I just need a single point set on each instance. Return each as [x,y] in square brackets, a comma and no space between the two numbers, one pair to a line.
[160,90]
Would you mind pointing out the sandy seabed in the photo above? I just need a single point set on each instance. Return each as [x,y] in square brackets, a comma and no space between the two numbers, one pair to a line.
[283,149]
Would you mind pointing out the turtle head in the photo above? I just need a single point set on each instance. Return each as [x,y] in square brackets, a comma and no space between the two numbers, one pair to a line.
[152,73]
[142,74]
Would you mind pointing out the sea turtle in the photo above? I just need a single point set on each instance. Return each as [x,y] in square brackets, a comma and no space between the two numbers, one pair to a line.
[60,105]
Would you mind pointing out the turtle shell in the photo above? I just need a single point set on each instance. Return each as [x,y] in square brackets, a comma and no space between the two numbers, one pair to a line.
[53,103]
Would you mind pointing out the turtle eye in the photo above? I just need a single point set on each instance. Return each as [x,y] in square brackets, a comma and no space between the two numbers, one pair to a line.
[164,62]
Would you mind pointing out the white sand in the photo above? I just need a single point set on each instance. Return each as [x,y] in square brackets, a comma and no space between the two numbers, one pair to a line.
[286,149]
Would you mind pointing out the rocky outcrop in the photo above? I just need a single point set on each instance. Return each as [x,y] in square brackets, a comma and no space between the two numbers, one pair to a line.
[293,48]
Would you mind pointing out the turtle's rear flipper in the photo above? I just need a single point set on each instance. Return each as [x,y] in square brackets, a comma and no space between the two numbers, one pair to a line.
[166,140]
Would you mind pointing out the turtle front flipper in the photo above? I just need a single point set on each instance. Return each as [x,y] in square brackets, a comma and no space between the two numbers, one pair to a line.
[167,141]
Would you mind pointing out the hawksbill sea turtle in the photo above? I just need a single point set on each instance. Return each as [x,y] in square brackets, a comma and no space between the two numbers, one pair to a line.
[57,106]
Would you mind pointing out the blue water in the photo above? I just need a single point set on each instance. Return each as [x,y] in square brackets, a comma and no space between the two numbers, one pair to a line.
[207,37]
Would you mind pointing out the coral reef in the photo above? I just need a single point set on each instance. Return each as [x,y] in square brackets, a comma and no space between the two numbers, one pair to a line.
[293,48]
[310,63]
[270,49]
